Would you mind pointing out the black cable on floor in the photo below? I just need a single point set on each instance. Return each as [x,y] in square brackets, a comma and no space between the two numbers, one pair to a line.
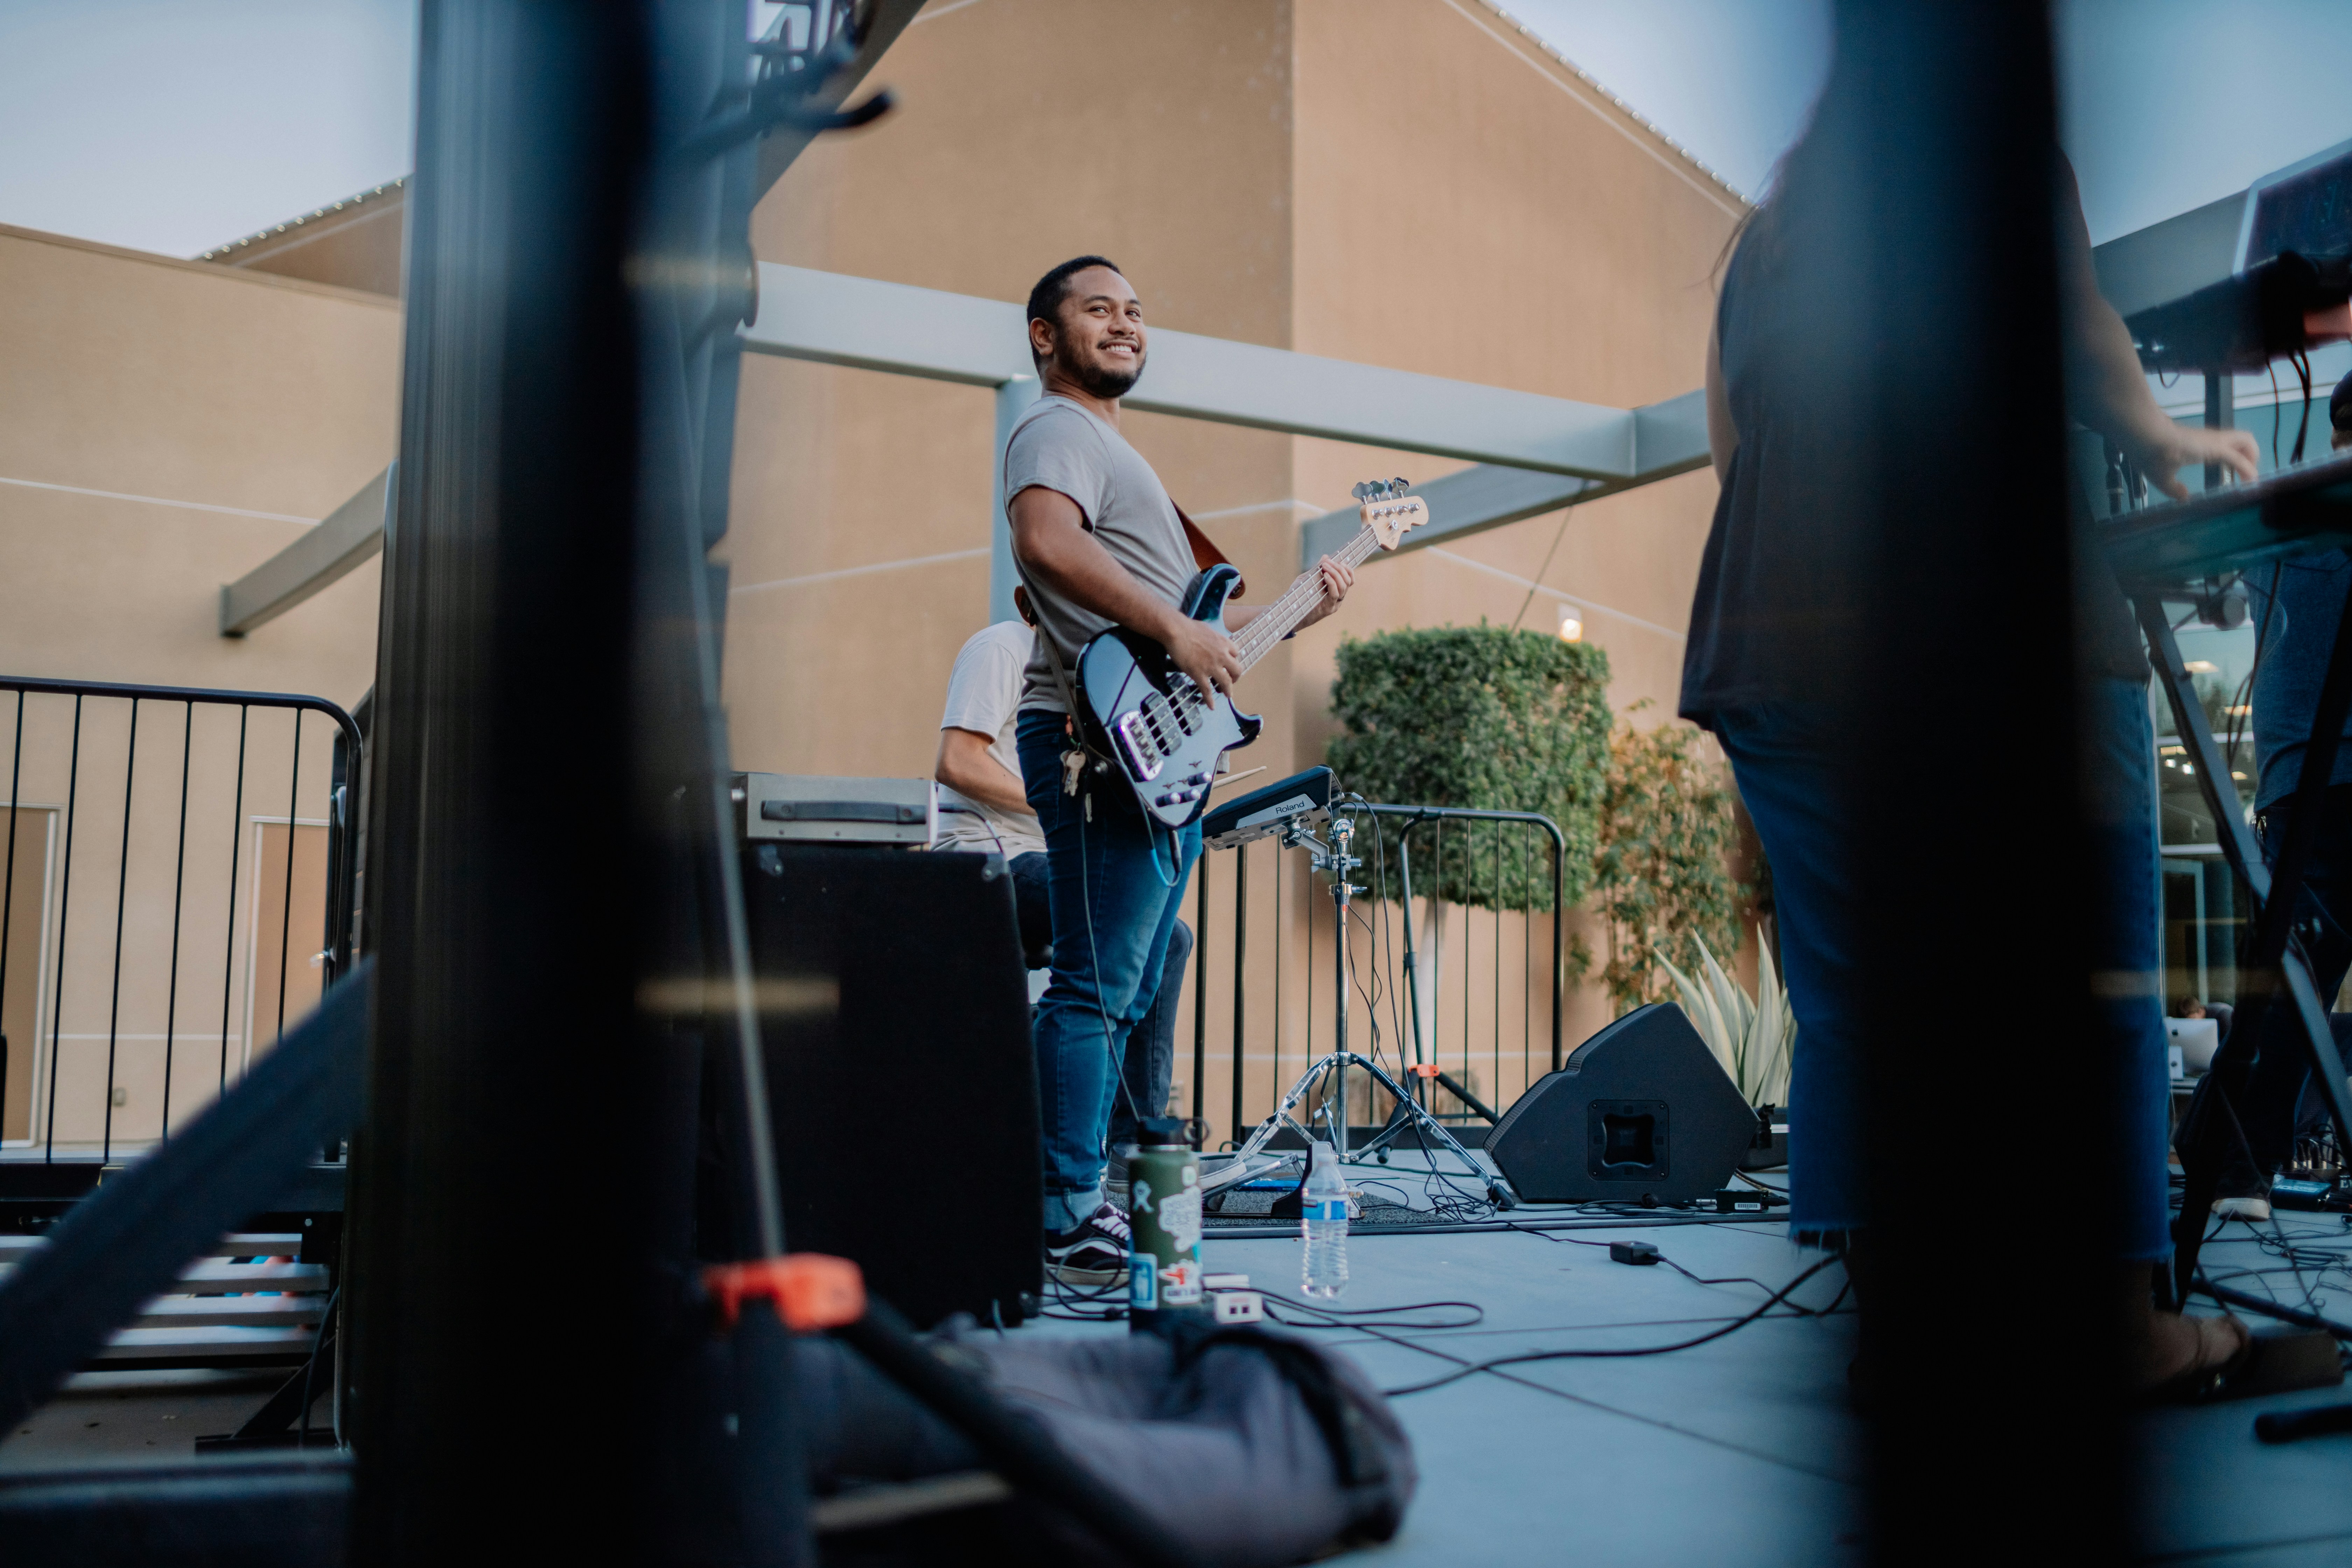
[1614,1354]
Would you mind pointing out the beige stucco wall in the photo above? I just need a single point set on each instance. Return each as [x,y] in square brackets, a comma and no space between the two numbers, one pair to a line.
[164,428]
[1405,183]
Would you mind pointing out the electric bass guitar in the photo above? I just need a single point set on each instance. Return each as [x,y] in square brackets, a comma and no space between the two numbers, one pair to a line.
[1161,733]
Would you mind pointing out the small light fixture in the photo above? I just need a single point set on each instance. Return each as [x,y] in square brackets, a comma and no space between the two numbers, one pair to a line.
[2202,666]
[1570,629]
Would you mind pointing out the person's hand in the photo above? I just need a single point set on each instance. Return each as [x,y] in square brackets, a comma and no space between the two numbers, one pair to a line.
[1338,578]
[1205,654]
[2166,448]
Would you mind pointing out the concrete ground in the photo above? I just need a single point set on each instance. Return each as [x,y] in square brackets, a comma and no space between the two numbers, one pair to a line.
[1741,1450]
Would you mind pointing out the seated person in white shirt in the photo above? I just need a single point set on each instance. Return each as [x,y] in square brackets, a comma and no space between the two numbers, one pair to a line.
[984,809]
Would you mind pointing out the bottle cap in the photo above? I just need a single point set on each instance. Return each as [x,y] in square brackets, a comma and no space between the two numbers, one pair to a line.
[1163,1132]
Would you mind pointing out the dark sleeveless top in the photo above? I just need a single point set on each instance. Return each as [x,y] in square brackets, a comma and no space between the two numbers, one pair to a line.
[1776,597]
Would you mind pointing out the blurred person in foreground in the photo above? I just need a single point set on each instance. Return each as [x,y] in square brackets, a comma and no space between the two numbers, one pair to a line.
[1766,632]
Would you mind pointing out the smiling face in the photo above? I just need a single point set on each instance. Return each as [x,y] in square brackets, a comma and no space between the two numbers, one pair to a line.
[1098,343]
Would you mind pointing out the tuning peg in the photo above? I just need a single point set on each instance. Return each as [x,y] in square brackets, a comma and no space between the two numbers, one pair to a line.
[1396,489]
[1362,491]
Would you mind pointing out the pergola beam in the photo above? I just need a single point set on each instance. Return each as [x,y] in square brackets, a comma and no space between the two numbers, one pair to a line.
[1669,439]
[830,319]
[349,536]
[1532,454]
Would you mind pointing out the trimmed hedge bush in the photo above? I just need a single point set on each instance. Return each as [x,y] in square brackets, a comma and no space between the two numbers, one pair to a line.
[1478,716]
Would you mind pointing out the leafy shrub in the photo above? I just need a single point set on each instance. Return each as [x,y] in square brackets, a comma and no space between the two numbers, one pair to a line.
[1665,825]
[1482,717]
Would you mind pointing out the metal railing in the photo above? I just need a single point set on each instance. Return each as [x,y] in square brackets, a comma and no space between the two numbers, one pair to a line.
[175,864]
[1449,996]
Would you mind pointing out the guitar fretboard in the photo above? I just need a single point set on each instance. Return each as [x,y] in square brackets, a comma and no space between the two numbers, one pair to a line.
[1281,618]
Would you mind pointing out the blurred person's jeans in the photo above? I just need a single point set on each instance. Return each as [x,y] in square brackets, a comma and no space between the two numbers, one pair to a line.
[1785,757]
[1113,883]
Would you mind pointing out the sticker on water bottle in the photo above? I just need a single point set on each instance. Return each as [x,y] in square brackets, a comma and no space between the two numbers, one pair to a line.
[1180,1216]
[1331,1208]
[1180,1283]
[1142,1282]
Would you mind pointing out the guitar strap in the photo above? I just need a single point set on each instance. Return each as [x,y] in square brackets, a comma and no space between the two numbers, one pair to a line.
[1205,552]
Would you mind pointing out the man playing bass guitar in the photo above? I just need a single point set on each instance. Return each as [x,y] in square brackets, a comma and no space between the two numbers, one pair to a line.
[1098,544]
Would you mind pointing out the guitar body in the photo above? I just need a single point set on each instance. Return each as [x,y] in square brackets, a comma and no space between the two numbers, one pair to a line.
[1135,706]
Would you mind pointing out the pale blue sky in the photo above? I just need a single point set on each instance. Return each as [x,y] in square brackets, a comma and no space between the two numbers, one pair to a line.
[176,125]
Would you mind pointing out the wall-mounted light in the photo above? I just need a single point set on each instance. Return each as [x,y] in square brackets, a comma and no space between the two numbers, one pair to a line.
[1570,629]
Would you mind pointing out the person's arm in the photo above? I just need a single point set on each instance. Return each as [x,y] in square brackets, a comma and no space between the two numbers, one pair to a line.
[2107,389]
[1050,536]
[1722,434]
[965,767]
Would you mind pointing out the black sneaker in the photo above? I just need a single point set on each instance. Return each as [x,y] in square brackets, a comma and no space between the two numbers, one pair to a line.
[1092,1252]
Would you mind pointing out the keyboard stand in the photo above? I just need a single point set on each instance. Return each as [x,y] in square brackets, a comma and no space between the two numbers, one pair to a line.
[2271,970]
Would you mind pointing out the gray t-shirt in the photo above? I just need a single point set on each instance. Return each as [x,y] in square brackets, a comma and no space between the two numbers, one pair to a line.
[1063,447]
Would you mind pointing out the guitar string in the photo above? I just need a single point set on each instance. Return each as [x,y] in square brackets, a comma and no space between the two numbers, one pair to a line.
[1303,594]
[1279,619]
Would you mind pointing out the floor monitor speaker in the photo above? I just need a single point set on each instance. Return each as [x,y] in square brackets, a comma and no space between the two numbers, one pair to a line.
[1642,1108]
[895,1017]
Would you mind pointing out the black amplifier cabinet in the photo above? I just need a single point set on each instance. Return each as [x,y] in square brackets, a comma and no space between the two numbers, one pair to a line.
[1641,1108]
[895,1015]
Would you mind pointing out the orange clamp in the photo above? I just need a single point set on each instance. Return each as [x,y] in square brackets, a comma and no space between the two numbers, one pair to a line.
[811,1290]
[1422,1070]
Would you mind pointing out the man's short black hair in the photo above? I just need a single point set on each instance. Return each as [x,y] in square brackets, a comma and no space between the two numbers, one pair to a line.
[1045,299]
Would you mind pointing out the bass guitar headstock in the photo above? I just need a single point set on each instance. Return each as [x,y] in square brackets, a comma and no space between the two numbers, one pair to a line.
[1388,511]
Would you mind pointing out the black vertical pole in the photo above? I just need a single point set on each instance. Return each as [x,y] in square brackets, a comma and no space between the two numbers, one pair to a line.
[286,893]
[1921,315]
[236,848]
[539,1010]
[179,882]
[1200,987]
[9,910]
[1241,976]
[65,908]
[122,884]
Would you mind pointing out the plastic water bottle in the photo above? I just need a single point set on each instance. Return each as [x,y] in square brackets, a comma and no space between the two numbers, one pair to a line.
[1325,1222]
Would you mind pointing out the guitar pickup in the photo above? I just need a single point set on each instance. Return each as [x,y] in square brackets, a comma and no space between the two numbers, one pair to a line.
[1142,755]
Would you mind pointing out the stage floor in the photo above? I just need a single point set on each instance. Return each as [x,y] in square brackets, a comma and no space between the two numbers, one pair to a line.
[1740,1451]
[1743,1451]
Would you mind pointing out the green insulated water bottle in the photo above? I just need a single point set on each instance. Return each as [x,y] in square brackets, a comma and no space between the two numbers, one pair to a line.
[1163,1201]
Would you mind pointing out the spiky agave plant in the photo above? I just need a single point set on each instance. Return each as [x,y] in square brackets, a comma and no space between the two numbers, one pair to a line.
[1753,1039]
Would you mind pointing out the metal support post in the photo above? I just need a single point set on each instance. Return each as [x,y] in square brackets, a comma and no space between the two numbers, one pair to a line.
[1013,400]
[1240,966]
[2220,413]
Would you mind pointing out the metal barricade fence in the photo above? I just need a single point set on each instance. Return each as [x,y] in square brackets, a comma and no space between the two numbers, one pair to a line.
[177,881]
[1473,990]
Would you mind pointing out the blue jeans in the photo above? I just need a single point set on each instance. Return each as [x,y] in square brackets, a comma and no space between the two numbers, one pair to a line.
[1784,757]
[1151,1046]
[1115,882]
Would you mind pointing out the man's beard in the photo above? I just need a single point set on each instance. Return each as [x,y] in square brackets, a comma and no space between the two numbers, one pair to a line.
[1105,381]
